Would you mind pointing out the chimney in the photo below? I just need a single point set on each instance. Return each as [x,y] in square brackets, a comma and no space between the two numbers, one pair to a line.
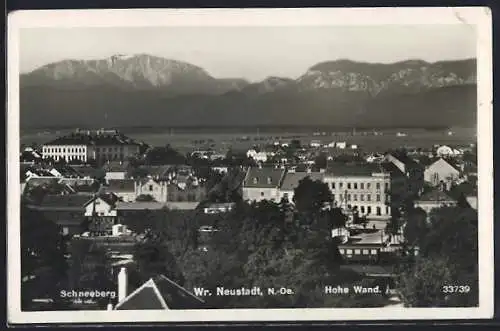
[122,284]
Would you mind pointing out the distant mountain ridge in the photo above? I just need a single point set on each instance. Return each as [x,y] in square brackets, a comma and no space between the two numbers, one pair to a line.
[123,90]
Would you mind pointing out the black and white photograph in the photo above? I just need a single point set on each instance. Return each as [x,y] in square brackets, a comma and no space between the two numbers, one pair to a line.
[250,165]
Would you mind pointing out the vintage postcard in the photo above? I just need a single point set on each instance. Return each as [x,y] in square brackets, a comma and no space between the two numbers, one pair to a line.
[218,165]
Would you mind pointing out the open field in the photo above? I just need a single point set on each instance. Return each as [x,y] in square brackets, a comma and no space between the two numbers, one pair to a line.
[369,141]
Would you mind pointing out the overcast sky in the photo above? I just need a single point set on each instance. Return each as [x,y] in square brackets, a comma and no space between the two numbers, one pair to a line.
[251,52]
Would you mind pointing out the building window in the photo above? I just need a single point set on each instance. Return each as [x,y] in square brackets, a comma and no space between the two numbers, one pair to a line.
[348,197]
[151,188]
[341,185]
[341,251]
[349,251]
[362,209]
[387,210]
[377,186]
[355,186]
[378,197]
[366,252]
[97,149]
[362,197]
[387,199]
[261,194]
[368,197]
[369,210]
[355,197]
[348,186]
[374,252]
[386,187]
[362,186]
[379,211]
[333,185]
[357,251]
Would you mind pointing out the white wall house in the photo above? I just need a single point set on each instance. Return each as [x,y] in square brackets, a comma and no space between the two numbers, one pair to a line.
[66,152]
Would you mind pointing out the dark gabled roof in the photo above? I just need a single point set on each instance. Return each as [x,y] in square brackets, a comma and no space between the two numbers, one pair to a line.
[435,196]
[453,164]
[160,293]
[265,177]
[67,201]
[353,169]
[292,179]
[121,185]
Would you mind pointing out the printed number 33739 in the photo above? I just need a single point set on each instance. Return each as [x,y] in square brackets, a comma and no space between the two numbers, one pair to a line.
[455,289]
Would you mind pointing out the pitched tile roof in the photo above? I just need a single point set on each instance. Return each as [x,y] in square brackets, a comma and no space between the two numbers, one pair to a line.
[265,177]
[160,292]
[292,179]
[435,196]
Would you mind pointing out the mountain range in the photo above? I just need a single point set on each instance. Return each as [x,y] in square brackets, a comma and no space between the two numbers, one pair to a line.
[144,90]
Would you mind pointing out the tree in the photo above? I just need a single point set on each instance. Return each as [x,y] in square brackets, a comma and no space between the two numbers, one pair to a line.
[310,196]
[43,263]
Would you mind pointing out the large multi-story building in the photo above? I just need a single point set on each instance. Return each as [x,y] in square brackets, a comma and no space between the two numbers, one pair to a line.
[362,187]
[83,146]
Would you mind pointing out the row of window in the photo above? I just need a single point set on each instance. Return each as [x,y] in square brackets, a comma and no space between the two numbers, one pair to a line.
[358,251]
[64,149]
[109,149]
[355,186]
[362,197]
